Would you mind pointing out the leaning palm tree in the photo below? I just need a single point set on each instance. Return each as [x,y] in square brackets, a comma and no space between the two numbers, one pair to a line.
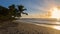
[21,10]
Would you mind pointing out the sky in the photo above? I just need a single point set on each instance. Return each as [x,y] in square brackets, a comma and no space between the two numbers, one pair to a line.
[35,8]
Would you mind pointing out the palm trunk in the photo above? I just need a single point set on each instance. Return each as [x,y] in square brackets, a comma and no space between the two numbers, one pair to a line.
[20,14]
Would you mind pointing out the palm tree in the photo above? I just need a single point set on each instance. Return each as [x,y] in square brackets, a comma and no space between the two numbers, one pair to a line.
[21,9]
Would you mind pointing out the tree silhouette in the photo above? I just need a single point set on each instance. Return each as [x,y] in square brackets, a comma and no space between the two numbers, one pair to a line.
[12,12]
[3,10]
[21,9]
[3,13]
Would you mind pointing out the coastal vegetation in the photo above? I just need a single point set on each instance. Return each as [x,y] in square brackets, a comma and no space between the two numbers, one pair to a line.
[11,12]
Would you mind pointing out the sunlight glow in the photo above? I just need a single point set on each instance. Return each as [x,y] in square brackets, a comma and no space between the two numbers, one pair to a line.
[55,13]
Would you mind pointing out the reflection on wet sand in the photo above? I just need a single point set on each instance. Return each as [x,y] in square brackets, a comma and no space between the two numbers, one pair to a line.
[55,25]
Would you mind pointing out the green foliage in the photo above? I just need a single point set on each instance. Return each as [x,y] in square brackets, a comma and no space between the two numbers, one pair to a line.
[7,13]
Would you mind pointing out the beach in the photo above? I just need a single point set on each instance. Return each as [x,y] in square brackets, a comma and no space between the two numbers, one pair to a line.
[27,28]
[17,27]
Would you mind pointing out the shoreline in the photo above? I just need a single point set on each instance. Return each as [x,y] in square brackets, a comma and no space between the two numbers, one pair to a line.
[26,28]
[32,28]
